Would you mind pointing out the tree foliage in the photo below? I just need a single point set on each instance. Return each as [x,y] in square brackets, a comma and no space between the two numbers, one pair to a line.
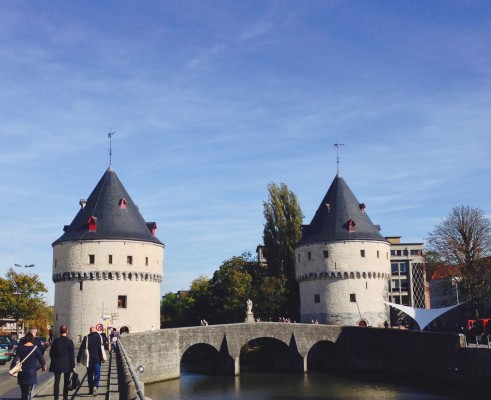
[464,239]
[282,231]
[21,296]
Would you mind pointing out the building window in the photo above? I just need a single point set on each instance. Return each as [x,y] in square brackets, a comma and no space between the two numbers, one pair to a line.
[317,298]
[378,254]
[392,252]
[352,297]
[81,285]
[92,224]
[146,261]
[122,203]
[326,253]
[309,255]
[56,263]
[362,253]
[121,301]
[351,226]
[415,252]
[110,260]
[394,268]
[91,258]
[405,300]
[129,260]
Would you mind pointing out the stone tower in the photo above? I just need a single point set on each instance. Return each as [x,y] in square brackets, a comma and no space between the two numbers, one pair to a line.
[342,263]
[108,265]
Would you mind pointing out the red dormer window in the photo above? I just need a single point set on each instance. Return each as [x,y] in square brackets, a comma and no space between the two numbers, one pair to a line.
[92,224]
[122,203]
[362,207]
[351,226]
[152,227]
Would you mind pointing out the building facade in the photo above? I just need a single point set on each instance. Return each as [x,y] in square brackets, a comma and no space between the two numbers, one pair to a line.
[408,284]
[342,263]
[108,265]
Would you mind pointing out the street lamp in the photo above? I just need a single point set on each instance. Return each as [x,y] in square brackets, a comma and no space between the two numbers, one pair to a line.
[455,282]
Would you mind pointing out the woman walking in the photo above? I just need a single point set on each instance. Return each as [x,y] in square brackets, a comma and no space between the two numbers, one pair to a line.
[29,354]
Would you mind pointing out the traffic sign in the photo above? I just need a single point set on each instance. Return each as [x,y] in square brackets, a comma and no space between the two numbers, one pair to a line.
[99,327]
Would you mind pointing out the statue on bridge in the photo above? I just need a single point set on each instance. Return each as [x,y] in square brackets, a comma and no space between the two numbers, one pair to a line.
[249,314]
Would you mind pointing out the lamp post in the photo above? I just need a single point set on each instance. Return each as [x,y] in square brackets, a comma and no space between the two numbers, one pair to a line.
[455,282]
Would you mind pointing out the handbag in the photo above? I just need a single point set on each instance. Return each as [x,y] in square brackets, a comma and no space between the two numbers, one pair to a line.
[14,371]
[103,351]
[74,382]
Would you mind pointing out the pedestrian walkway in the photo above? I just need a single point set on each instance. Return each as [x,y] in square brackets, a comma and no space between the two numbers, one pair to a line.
[108,385]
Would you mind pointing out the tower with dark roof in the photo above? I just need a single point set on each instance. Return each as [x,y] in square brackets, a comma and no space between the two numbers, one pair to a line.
[108,264]
[342,263]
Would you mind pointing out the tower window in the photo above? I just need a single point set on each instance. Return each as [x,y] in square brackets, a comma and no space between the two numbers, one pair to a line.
[110,260]
[81,285]
[326,253]
[122,302]
[351,226]
[352,297]
[122,203]
[146,260]
[91,258]
[129,260]
[317,298]
[309,255]
[378,254]
[362,253]
[92,224]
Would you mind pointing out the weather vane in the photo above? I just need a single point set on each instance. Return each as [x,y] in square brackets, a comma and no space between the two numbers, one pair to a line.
[336,146]
[110,135]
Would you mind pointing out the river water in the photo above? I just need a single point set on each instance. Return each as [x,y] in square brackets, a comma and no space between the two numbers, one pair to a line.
[310,386]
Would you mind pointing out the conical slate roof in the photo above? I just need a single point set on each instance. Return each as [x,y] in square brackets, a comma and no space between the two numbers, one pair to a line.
[112,214]
[340,217]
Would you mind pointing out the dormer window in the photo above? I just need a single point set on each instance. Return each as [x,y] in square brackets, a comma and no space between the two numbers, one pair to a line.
[92,224]
[328,207]
[82,203]
[152,227]
[351,226]
[362,207]
[122,203]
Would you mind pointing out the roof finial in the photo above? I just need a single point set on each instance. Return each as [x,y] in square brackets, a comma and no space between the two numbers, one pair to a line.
[336,146]
[110,135]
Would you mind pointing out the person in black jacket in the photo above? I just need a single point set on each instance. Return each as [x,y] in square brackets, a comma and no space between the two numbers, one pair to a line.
[92,342]
[62,354]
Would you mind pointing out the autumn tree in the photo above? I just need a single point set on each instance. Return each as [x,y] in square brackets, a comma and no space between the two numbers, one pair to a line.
[282,231]
[21,296]
[464,239]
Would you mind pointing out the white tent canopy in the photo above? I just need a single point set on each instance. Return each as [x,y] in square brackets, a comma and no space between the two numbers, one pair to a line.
[422,316]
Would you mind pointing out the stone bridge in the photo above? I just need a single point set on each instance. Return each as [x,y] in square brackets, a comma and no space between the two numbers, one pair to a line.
[160,352]
[294,347]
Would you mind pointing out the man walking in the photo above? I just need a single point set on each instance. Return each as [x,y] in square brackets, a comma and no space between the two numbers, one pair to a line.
[62,356]
[92,342]
[114,340]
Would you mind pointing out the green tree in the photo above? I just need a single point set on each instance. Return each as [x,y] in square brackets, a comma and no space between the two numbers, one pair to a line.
[21,296]
[202,295]
[231,286]
[464,239]
[269,298]
[282,231]
[176,310]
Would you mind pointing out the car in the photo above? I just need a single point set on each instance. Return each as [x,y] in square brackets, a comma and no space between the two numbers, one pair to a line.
[5,354]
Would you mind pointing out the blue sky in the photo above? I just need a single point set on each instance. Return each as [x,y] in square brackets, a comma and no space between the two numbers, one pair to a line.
[211,101]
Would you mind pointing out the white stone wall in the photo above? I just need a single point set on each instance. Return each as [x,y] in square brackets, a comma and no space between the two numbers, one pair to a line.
[103,282]
[345,271]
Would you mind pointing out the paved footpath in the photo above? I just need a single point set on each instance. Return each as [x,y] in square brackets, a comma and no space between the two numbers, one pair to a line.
[108,385]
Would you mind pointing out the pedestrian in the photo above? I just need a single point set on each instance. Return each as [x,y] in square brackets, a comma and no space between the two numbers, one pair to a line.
[37,340]
[114,339]
[29,354]
[62,356]
[92,343]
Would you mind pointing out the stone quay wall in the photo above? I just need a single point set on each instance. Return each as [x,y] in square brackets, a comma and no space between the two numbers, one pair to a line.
[413,354]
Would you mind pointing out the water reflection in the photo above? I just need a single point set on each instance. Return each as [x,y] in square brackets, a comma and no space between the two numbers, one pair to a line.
[283,386]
